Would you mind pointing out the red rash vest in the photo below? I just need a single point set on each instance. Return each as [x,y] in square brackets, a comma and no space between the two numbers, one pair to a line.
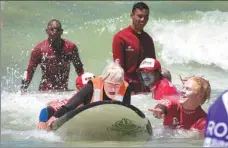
[130,49]
[177,117]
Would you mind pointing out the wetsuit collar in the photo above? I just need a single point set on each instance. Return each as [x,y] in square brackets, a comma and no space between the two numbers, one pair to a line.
[190,111]
[133,31]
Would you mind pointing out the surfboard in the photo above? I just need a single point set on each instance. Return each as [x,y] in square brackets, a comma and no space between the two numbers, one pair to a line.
[104,120]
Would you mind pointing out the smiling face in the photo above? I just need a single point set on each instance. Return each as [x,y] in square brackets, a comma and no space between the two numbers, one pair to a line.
[191,94]
[140,18]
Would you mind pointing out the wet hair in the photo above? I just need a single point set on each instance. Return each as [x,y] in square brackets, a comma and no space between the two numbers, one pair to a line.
[140,5]
[203,88]
[54,20]
[113,72]
[166,74]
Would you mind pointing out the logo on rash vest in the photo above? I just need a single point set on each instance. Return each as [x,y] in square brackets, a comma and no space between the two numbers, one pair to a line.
[129,49]
[46,56]
[127,127]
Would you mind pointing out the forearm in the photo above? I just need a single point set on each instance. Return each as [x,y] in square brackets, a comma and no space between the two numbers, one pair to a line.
[77,62]
[26,80]
[127,96]
[76,100]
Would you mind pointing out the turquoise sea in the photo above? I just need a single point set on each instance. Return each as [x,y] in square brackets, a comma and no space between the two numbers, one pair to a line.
[191,38]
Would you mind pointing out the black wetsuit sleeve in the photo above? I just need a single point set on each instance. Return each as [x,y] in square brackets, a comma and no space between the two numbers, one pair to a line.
[127,96]
[84,96]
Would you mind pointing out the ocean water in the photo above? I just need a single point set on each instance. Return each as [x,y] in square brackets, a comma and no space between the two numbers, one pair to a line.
[191,38]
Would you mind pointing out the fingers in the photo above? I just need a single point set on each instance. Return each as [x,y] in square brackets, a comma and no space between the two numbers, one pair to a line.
[49,123]
[41,125]
[157,113]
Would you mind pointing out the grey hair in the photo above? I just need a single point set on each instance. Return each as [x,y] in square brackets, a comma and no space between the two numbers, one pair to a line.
[113,72]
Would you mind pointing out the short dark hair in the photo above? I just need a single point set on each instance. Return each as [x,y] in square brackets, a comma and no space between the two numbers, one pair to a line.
[140,5]
[54,20]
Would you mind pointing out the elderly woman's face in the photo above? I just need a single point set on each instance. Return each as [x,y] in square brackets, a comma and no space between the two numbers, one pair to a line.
[111,88]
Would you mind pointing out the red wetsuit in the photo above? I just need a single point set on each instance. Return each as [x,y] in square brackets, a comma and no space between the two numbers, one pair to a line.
[55,66]
[130,49]
[163,88]
[177,117]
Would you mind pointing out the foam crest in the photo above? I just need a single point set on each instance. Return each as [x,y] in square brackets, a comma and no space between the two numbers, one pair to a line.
[203,40]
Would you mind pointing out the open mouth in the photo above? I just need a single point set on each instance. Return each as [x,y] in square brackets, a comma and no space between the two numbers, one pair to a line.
[146,79]
[112,93]
[183,98]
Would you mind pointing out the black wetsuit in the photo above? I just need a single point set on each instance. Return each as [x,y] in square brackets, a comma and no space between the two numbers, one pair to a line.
[84,97]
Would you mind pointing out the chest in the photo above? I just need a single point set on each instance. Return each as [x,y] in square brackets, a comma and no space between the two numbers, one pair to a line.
[178,119]
[50,57]
[135,45]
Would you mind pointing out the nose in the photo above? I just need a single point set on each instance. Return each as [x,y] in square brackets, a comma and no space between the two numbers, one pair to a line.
[142,19]
[112,89]
[55,31]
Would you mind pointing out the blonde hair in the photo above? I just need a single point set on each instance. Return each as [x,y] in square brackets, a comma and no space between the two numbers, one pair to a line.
[204,87]
[113,72]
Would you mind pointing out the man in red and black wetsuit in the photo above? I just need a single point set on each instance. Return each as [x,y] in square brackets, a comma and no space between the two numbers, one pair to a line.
[131,45]
[54,56]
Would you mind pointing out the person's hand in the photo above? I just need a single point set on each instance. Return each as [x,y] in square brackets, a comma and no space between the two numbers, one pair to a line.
[42,125]
[49,122]
[157,112]
[23,91]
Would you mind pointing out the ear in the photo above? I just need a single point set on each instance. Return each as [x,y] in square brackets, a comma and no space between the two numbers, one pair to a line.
[200,96]
[61,32]
[46,30]
[131,15]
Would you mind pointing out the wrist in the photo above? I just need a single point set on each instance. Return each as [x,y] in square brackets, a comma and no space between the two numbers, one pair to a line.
[162,108]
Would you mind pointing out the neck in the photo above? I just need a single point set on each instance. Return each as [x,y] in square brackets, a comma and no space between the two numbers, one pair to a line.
[189,106]
[136,29]
[56,42]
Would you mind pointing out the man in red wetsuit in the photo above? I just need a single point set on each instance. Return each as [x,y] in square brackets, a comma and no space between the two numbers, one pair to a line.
[185,111]
[131,45]
[54,56]
[151,75]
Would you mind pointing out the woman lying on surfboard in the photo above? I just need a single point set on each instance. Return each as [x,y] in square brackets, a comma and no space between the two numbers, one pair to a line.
[109,86]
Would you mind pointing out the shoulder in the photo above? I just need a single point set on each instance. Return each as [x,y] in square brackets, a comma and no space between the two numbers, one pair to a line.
[146,35]
[168,87]
[41,44]
[222,99]
[169,101]
[69,43]
[121,32]
[219,109]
